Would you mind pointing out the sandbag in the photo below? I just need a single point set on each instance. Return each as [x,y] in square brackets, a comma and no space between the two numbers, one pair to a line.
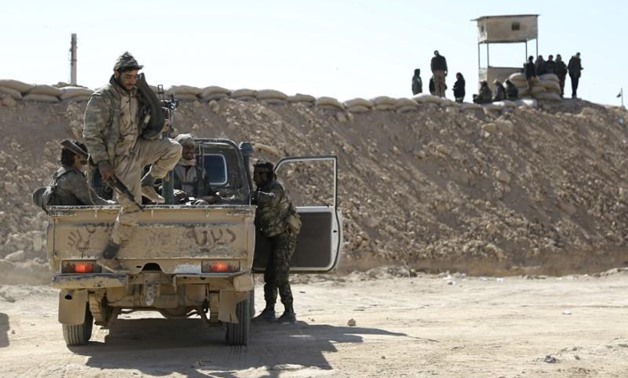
[268,95]
[385,107]
[186,97]
[299,97]
[358,102]
[329,102]
[13,93]
[183,90]
[46,90]
[406,103]
[551,86]
[358,109]
[244,94]
[214,90]
[17,85]
[425,98]
[41,98]
[549,77]
[71,92]
[517,76]
[384,100]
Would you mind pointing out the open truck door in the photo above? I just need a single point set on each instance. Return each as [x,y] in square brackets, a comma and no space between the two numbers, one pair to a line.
[312,183]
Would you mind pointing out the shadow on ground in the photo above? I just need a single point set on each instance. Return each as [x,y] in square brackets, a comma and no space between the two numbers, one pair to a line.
[161,347]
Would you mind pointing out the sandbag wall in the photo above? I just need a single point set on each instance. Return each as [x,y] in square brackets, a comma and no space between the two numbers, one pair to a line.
[12,91]
[544,87]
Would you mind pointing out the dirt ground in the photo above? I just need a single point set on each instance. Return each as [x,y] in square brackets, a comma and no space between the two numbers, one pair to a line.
[371,324]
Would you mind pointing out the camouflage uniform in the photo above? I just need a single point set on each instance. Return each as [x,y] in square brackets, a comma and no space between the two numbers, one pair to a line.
[71,189]
[112,133]
[273,218]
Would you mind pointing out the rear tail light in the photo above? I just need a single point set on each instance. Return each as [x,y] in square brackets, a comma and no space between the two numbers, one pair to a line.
[80,267]
[220,266]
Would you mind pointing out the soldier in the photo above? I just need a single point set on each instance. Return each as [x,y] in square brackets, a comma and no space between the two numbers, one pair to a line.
[574,67]
[113,134]
[459,90]
[485,94]
[68,186]
[512,92]
[529,70]
[500,91]
[190,177]
[439,72]
[277,219]
[561,71]
[417,83]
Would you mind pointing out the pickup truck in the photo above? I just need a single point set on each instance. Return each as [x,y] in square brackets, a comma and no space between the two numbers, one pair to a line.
[189,260]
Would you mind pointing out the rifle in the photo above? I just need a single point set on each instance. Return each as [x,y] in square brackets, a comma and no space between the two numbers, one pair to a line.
[118,185]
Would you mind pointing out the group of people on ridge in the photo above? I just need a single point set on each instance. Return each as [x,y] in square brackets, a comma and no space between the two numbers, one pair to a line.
[437,85]
[509,91]
[536,68]
[118,149]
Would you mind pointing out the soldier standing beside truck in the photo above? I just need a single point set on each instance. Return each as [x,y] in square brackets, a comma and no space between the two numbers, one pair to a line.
[277,219]
[115,123]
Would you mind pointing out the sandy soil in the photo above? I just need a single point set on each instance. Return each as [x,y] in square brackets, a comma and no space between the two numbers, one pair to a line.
[359,325]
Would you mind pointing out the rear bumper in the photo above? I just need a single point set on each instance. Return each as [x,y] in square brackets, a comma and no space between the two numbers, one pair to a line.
[89,281]
[230,281]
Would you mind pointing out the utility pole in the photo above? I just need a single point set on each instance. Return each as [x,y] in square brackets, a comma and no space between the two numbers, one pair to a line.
[73,59]
[621,95]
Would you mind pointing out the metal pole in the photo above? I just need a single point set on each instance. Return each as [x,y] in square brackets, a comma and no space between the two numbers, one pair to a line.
[73,59]
[621,94]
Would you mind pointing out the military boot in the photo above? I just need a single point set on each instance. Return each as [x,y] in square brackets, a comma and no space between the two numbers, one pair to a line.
[288,316]
[107,258]
[267,315]
[148,189]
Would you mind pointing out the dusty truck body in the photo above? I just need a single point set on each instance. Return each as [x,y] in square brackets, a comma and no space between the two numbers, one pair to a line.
[182,260]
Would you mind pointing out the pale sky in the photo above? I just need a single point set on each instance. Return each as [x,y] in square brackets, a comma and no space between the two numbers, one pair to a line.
[343,49]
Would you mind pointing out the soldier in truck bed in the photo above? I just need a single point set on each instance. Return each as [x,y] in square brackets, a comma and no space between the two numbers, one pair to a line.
[115,134]
[277,219]
[69,185]
[190,178]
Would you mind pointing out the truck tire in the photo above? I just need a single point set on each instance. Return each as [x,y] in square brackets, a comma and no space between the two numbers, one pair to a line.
[81,333]
[238,334]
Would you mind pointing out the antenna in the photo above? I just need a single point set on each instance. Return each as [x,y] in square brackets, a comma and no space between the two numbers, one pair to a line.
[73,59]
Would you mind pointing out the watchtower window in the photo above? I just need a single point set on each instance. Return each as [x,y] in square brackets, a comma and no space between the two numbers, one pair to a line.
[515,26]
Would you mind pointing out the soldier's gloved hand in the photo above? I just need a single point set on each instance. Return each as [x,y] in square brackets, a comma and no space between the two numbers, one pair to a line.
[105,169]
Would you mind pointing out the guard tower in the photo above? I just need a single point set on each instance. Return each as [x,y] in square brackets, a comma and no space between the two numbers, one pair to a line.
[521,28]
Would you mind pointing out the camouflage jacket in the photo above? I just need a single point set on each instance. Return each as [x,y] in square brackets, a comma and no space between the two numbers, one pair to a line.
[104,114]
[275,212]
[71,189]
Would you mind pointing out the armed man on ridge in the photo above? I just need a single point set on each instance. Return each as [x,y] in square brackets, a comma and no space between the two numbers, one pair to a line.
[116,120]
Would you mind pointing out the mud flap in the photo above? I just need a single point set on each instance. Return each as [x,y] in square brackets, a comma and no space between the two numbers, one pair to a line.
[72,306]
[228,302]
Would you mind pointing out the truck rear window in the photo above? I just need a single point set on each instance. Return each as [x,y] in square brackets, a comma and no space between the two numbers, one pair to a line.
[216,167]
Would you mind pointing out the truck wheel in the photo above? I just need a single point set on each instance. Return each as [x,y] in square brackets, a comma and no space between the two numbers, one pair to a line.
[238,334]
[81,333]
